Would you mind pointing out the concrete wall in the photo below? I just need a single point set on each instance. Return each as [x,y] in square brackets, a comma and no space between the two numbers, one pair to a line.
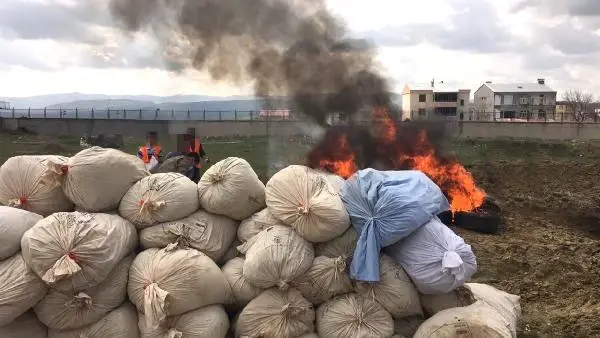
[136,128]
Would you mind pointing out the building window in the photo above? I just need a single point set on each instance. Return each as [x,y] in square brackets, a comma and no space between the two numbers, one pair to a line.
[509,114]
[524,100]
[421,112]
[445,97]
[422,98]
[462,102]
[541,114]
[445,111]
[523,114]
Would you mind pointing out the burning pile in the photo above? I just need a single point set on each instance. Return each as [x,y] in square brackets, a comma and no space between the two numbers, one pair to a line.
[396,148]
[162,258]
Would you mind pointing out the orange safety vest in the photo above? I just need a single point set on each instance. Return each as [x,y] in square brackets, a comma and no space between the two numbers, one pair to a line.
[144,151]
[196,148]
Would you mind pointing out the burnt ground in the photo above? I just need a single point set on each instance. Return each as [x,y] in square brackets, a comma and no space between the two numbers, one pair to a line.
[549,253]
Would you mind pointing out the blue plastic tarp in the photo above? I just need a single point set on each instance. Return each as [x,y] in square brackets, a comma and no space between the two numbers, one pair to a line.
[385,207]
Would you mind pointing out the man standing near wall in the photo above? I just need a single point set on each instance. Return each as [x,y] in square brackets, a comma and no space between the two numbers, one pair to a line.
[151,152]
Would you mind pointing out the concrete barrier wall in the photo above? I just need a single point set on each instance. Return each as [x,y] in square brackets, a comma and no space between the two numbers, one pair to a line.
[139,128]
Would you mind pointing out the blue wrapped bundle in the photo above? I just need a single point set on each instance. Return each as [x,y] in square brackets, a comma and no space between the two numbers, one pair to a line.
[385,207]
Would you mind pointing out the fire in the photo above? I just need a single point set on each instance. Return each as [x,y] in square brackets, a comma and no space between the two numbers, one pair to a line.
[336,156]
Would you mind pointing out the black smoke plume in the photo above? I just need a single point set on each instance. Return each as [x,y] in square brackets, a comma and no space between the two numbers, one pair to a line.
[290,48]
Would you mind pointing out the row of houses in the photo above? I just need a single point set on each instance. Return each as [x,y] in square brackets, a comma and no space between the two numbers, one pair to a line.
[511,102]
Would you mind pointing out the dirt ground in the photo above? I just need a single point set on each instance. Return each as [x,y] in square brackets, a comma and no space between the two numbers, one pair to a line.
[549,253]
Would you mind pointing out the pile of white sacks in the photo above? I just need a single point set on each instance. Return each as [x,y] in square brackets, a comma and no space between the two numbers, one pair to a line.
[94,246]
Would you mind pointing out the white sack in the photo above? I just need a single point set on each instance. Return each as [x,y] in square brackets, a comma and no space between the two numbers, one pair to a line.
[394,291]
[207,322]
[326,278]
[97,178]
[505,303]
[13,224]
[477,320]
[31,183]
[26,326]
[258,222]
[343,246]
[211,234]
[73,251]
[120,323]
[275,314]
[72,310]
[159,198]
[351,316]
[21,289]
[243,291]
[336,181]
[436,259]
[305,200]
[231,187]
[276,256]
[170,282]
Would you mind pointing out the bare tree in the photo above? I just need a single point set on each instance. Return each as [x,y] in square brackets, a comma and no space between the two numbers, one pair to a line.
[579,104]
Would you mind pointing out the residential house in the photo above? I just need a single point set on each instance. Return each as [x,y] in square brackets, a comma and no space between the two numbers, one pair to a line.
[515,102]
[434,100]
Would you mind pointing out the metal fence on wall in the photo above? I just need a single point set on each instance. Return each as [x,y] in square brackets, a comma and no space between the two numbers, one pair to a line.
[281,115]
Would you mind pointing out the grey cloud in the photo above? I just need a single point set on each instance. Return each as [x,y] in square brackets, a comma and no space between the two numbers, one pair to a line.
[37,20]
[571,41]
[562,7]
[475,27]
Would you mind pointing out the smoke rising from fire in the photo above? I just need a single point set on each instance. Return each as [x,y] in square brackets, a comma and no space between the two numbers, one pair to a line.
[290,48]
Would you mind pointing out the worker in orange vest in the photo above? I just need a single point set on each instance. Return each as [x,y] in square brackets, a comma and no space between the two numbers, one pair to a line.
[194,149]
[151,152]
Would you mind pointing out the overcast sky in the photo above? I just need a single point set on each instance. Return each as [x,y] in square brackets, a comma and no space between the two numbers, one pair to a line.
[54,46]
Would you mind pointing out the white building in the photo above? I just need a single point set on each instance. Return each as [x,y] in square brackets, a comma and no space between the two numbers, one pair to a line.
[515,102]
[434,100]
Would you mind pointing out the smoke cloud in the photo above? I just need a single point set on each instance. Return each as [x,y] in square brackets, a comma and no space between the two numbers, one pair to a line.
[290,48]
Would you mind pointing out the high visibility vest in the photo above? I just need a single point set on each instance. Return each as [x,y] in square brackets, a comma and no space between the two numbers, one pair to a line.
[155,152]
[195,148]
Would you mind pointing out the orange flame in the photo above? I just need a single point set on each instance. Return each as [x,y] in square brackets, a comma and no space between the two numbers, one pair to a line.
[451,176]
[343,163]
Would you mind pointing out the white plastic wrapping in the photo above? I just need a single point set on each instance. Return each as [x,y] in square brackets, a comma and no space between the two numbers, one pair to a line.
[436,259]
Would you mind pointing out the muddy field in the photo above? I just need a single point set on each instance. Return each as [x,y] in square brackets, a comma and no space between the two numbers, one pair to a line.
[550,196]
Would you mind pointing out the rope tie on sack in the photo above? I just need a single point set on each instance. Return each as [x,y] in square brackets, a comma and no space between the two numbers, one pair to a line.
[54,173]
[155,305]
[174,333]
[18,203]
[80,301]
[217,177]
[340,264]
[67,265]
[303,209]
[283,285]
[147,207]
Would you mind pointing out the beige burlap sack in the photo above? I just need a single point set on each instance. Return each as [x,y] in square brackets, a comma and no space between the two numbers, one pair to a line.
[231,253]
[231,187]
[72,310]
[21,289]
[31,183]
[258,222]
[394,291]
[211,234]
[95,179]
[326,278]
[304,199]
[343,245]
[171,281]
[26,326]
[275,257]
[74,251]
[274,314]
[476,320]
[337,182]
[13,224]
[407,326]
[505,303]
[119,323]
[159,198]
[243,291]
[352,316]
[210,321]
